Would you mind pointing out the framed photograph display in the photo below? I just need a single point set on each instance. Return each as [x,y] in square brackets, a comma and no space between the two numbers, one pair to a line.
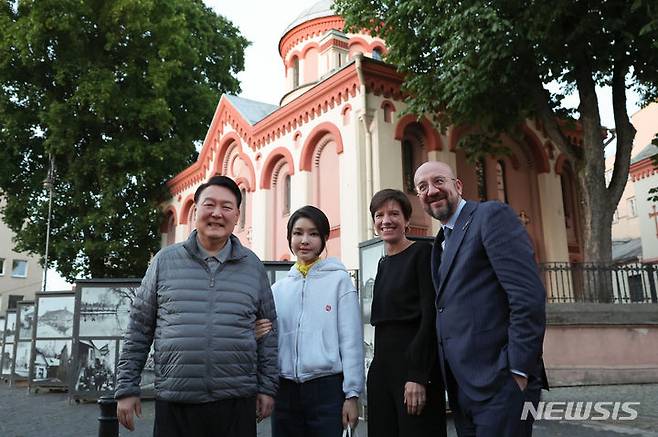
[23,341]
[53,339]
[102,312]
[7,352]
[370,252]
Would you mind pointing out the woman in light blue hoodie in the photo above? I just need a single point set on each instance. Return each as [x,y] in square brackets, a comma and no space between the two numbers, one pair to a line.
[320,337]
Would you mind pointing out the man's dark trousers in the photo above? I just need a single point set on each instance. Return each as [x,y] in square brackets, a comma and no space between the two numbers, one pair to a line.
[497,416]
[224,418]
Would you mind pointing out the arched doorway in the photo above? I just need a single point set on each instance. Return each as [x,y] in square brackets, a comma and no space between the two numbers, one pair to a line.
[509,178]
[414,153]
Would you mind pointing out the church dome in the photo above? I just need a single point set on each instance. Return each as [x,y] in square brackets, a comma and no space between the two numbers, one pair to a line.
[317,10]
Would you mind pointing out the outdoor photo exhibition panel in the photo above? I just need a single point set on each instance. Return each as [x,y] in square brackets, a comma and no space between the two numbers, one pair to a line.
[23,344]
[9,333]
[53,339]
[277,269]
[370,252]
[102,312]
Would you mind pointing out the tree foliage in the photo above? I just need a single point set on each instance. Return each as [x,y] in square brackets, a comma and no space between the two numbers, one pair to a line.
[488,64]
[118,92]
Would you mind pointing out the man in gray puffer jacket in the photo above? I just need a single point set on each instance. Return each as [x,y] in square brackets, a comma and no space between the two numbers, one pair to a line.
[198,303]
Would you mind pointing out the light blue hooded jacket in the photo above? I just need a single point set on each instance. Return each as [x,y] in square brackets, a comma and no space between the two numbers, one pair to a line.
[319,324]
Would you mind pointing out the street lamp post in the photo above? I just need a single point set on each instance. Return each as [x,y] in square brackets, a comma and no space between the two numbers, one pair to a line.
[48,184]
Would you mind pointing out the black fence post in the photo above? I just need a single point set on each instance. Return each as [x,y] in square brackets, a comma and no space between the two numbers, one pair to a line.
[652,283]
[108,424]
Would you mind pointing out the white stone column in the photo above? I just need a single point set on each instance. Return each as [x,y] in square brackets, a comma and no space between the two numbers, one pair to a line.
[387,155]
[552,217]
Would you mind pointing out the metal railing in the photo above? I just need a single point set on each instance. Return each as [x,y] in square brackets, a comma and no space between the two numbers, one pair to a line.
[600,283]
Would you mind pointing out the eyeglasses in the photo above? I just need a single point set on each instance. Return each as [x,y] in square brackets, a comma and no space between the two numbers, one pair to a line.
[438,182]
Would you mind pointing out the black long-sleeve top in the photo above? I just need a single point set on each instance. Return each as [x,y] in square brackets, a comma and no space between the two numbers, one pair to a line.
[404,294]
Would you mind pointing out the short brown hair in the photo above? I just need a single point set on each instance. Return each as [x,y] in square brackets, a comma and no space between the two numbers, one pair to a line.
[383,196]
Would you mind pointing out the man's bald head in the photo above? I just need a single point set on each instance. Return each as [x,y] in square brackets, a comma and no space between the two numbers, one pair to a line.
[433,167]
[438,188]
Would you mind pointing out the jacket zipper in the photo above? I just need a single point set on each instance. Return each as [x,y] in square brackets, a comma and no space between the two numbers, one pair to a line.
[299,326]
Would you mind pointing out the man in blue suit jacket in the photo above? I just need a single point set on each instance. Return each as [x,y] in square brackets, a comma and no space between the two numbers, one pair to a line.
[490,306]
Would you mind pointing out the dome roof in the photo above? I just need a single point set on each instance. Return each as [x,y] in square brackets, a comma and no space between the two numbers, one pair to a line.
[319,9]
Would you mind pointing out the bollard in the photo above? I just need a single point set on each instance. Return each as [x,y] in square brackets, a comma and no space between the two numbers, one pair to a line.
[108,424]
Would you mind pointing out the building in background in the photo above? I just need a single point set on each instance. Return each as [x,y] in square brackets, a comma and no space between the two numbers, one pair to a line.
[632,240]
[338,137]
[20,273]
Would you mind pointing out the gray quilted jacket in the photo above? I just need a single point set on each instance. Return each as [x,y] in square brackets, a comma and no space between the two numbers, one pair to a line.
[202,326]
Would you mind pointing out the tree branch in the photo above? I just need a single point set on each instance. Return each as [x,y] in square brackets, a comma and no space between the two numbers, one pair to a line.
[625,133]
[549,120]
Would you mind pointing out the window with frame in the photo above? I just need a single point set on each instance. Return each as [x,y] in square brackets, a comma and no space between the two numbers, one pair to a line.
[295,72]
[2,266]
[12,302]
[501,187]
[19,268]
[286,195]
[632,207]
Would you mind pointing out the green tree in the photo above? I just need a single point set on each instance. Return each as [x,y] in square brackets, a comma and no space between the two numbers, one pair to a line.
[488,64]
[118,92]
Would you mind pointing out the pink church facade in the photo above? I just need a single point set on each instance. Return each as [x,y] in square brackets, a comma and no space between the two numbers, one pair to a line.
[338,137]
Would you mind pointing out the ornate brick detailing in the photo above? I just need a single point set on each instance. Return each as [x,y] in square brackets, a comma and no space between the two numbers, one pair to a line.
[280,153]
[431,136]
[643,169]
[334,91]
[308,30]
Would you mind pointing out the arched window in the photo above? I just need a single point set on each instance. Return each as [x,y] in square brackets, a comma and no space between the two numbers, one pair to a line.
[501,188]
[295,72]
[286,195]
[191,219]
[243,208]
[377,53]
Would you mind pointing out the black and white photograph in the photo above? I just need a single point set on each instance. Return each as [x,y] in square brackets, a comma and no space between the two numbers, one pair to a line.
[104,311]
[7,358]
[25,321]
[369,259]
[55,316]
[10,327]
[22,361]
[97,364]
[51,361]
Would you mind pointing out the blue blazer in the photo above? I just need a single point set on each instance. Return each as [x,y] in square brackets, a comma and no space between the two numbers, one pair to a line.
[490,300]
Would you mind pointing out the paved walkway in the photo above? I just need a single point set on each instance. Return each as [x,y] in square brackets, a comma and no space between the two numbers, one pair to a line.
[24,414]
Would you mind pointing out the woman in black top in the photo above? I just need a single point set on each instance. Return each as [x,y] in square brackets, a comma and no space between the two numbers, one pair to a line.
[405,390]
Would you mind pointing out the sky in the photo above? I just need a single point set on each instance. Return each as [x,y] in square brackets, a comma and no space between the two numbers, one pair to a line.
[262,23]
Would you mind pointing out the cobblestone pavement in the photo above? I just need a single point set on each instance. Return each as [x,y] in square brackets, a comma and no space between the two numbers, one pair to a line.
[24,414]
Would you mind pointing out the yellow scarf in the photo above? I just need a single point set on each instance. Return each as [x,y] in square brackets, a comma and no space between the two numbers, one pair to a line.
[304,268]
